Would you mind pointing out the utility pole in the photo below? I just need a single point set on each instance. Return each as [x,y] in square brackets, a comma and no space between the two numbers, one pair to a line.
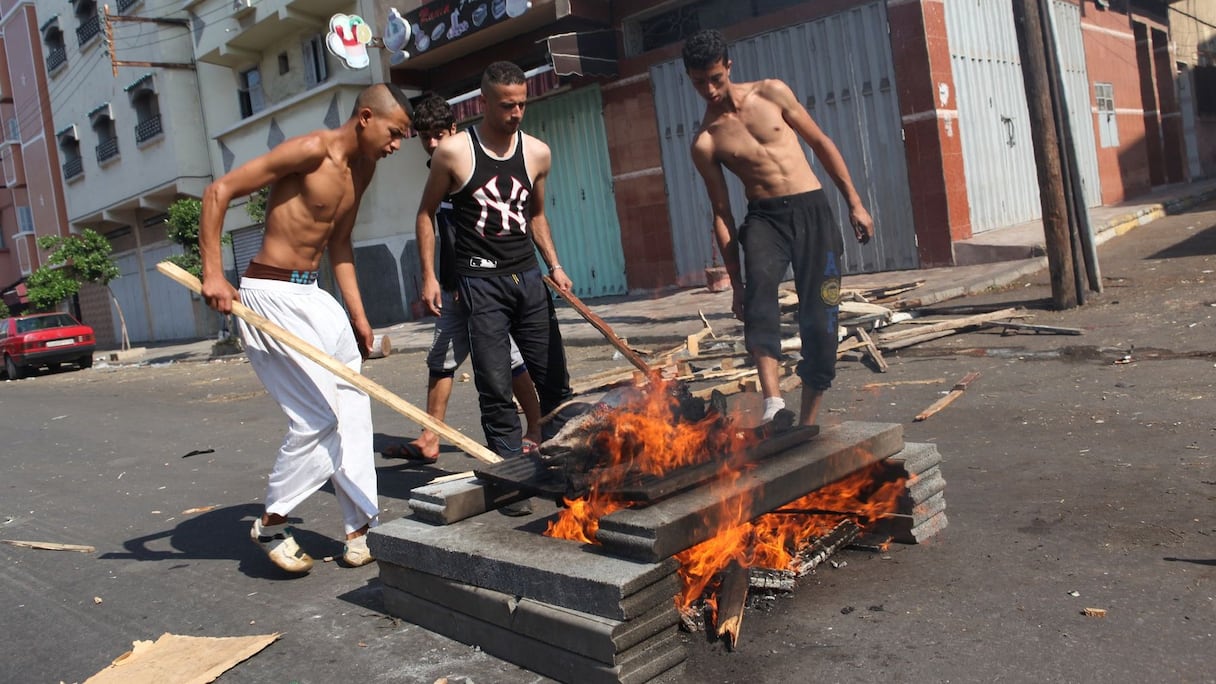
[1028,22]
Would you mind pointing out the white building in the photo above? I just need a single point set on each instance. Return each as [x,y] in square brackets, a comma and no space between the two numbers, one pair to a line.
[268,76]
[206,87]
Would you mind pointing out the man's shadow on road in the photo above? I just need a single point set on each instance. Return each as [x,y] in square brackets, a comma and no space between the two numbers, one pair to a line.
[221,534]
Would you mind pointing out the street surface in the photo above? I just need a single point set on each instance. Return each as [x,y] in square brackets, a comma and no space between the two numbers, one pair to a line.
[1080,474]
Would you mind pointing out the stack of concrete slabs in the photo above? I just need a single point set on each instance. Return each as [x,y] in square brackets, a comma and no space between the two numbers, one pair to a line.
[556,607]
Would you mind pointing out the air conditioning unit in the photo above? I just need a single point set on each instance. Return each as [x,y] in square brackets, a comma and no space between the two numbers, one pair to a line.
[242,8]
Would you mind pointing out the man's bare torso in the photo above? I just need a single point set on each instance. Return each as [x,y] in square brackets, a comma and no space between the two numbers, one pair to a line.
[755,143]
[303,210]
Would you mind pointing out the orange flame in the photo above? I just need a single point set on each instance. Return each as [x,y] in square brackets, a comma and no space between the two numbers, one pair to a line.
[774,539]
[644,438]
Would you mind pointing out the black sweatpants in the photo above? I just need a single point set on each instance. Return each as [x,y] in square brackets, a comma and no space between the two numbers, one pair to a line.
[796,230]
[501,308]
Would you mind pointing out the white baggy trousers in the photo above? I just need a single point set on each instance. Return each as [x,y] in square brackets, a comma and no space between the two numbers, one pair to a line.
[329,434]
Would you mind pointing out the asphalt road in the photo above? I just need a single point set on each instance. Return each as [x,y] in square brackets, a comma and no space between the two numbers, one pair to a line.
[1075,481]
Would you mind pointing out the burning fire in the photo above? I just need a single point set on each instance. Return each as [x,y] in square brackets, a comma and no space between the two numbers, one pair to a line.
[643,437]
[774,539]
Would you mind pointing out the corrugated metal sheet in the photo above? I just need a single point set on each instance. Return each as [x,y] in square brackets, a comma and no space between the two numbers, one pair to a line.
[246,243]
[1066,24]
[840,67]
[998,155]
[579,201]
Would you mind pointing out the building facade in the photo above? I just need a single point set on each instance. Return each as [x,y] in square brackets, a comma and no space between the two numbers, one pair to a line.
[129,136]
[925,98]
[32,201]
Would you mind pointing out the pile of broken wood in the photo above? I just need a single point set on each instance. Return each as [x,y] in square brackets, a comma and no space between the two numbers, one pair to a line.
[872,322]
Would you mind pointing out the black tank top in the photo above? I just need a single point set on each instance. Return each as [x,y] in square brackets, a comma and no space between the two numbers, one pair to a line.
[491,213]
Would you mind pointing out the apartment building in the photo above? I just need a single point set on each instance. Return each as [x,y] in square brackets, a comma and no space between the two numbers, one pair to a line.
[268,76]
[31,194]
[130,141]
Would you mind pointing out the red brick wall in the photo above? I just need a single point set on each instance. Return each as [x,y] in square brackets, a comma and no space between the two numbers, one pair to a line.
[932,143]
[639,189]
[1110,57]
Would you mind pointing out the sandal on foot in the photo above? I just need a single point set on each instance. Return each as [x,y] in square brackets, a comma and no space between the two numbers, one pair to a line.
[280,546]
[408,451]
[356,553]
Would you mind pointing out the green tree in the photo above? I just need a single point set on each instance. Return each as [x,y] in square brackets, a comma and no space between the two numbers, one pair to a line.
[73,260]
[183,222]
[256,206]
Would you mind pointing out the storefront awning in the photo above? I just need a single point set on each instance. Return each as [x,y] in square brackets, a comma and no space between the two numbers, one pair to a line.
[443,31]
[586,53]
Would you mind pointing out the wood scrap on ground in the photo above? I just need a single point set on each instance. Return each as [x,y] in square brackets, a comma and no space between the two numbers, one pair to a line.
[898,339]
[959,388]
[49,546]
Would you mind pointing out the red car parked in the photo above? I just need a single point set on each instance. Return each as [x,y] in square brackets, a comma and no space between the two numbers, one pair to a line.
[28,342]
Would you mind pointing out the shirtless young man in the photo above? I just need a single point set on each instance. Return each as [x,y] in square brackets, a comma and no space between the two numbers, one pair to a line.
[316,183]
[752,129]
[434,121]
[494,175]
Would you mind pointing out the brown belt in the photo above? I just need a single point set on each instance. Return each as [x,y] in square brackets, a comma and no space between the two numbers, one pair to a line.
[257,270]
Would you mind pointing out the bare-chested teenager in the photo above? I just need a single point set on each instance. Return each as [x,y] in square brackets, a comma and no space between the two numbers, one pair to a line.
[316,183]
[752,129]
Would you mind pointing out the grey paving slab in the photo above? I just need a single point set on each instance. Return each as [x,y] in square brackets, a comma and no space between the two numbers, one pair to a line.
[670,526]
[925,485]
[907,529]
[487,552]
[450,502]
[916,457]
[583,633]
[637,665]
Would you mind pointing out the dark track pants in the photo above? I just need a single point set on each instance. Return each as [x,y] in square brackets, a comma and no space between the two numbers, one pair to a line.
[518,305]
[796,230]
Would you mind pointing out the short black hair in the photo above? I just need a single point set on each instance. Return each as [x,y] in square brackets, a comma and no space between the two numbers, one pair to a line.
[401,99]
[503,73]
[433,113]
[705,49]
[374,98]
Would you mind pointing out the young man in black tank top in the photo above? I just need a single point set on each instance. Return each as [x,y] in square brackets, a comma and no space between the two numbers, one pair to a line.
[495,177]
[434,121]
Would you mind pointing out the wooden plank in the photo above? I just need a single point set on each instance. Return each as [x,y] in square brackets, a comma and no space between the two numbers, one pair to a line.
[329,363]
[1051,329]
[600,325]
[49,546]
[872,350]
[732,599]
[952,325]
[959,388]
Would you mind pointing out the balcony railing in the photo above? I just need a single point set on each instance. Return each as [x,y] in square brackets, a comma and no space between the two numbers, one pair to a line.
[107,149]
[90,28]
[148,128]
[73,168]
[57,58]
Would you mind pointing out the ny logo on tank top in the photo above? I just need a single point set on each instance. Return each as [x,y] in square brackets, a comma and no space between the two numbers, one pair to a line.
[499,215]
